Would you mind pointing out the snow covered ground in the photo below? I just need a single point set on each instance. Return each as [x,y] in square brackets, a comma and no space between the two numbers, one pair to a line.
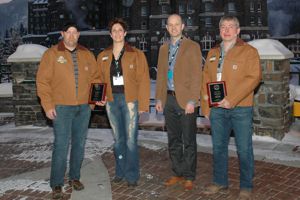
[100,141]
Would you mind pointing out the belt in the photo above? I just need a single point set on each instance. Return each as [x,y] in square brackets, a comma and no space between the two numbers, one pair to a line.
[171,92]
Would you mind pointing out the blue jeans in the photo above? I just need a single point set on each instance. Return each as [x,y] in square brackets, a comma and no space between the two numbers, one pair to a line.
[123,118]
[223,121]
[71,123]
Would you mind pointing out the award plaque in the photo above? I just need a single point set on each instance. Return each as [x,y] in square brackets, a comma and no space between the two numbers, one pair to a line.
[97,92]
[216,92]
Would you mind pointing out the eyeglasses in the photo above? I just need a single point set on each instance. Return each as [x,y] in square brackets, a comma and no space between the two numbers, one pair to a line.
[230,27]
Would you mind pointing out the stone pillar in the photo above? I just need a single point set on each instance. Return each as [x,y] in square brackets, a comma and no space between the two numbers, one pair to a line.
[272,107]
[25,62]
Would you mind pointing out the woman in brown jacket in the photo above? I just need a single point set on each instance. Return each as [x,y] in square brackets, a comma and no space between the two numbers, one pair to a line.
[125,71]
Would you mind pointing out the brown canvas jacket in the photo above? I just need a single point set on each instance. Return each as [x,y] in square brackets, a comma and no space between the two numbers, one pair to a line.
[187,73]
[135,74]
[241,73]
[55,77]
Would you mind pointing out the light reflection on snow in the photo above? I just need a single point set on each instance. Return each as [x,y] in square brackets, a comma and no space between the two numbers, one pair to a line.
[24,184]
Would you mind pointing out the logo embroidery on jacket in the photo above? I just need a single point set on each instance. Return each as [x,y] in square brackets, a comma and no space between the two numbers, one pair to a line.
[105,58]
[212,59]
[61,60]
[234,67]
[131,66]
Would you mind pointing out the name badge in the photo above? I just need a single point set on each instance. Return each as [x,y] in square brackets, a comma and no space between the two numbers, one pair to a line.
[118,80]
[219,76]
[170,74]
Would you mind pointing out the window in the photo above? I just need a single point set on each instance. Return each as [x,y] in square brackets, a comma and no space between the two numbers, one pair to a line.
[144,25]
[154,39]
[181,9]
[61,16]
[190,9]
[164,1]
[189,21]
[125,12]
[143,44]
[251,6]
[164,9]
[143,1]
[208,22]
[258,7]
[196,38]
[163,23]
[231,7]
[144,11]
[252,20]
[259,21]
[163,40]
[208,7]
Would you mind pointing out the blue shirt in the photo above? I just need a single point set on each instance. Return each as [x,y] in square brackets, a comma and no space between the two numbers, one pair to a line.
[173,50]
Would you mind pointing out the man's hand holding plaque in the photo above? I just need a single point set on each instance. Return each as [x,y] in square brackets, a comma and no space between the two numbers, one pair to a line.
[216,92]
[97,93]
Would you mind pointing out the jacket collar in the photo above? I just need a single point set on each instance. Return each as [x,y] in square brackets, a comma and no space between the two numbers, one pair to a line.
[127,47]
[61,46]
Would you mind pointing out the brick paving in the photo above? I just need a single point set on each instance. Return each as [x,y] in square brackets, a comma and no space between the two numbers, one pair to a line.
[272,181]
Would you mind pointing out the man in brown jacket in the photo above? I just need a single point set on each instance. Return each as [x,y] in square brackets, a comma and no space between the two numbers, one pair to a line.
[177,93]
[237,64]
[64,76]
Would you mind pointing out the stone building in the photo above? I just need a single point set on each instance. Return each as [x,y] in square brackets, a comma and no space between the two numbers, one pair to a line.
[292,42]
[147,21]
[38,20]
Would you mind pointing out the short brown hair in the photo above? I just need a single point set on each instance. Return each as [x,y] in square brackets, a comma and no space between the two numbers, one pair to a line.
[117,21]
[229,18]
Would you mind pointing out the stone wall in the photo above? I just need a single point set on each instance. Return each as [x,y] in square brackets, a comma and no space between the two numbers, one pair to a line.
[28,110]
[272,110]
[6,105]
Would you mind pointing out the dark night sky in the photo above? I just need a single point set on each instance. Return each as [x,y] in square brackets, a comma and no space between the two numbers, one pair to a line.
[284,17]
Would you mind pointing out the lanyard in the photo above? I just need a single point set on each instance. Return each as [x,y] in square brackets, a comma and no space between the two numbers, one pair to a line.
[116,61]
[221,57]
[174,54]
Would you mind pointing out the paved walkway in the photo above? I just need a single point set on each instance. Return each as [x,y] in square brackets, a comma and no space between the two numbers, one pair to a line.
[277,171]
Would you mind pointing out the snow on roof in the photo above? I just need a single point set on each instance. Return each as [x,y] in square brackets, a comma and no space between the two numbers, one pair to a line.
[40,2]
[269,49]
[27,53]
[293,36]
[6,90]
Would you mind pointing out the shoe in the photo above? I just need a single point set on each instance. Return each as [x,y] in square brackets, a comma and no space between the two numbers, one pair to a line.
[188,185]
[245,195]
[76,185]
[117,179]
[173,180]
[57,192]
[213,189]
[132,184]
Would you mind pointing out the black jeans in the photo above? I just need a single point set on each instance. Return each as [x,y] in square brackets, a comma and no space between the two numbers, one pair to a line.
[181,139]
